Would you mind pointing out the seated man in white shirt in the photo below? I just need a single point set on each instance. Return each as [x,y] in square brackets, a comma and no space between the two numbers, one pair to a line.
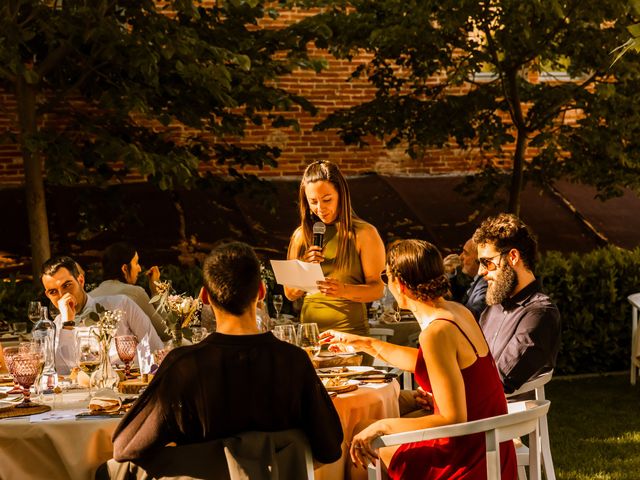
[64,286]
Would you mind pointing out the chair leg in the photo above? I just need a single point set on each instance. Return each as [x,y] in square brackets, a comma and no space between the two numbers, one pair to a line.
[634,332]
[494,472]
[547,460]
[522,473]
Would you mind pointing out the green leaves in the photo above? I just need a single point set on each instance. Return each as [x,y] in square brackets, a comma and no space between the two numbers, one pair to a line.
[590,290]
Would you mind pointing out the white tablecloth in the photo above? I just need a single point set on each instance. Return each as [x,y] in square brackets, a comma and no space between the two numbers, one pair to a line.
[56,446]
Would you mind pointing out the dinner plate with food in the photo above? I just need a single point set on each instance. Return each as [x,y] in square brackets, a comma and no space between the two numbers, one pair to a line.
[339,384]
[342,371]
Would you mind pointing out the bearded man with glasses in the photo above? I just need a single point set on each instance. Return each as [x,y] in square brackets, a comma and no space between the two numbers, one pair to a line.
[521,323]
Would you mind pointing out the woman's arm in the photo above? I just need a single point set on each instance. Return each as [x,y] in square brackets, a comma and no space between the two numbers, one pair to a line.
[372,257]
[440,355]
[396,355]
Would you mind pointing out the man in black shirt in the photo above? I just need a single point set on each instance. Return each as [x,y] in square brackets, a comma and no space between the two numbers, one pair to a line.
[236,380]
[521,323]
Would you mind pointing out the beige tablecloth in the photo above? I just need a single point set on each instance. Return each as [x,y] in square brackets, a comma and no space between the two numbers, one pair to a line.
[56,449]
[372,401]
[69,449]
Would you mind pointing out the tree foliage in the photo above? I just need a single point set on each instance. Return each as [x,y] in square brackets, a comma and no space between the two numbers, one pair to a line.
[97,83]
[425,61]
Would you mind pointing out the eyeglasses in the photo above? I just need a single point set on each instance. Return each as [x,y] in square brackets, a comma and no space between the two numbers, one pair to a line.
[488,262]
[384,277]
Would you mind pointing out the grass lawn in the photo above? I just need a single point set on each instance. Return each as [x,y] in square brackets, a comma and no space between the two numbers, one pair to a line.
[594,426]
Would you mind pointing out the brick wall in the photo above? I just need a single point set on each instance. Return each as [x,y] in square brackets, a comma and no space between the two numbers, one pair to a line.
[328,90]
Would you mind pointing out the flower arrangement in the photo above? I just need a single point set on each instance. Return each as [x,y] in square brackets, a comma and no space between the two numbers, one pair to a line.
[178,311]
[104,323]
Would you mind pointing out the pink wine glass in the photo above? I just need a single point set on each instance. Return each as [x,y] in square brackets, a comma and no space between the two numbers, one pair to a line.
[126,348]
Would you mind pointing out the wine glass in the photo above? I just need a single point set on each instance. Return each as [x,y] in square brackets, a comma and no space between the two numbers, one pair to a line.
[309,338]
[9,353]
[89,356]
[286,333]
[277,305]
[33,311]
[25,367]
[126,348]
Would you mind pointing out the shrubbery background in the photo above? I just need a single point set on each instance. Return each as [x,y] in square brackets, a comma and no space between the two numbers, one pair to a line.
[590,290]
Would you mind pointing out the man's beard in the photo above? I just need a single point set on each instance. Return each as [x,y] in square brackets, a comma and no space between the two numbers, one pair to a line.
[502,287]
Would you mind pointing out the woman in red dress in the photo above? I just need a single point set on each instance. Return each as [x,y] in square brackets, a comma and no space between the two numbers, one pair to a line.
[453,366]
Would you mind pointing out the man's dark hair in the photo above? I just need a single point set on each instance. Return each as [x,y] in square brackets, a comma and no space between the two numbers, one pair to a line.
[51,266]
[232,277]
[114,257]
[506,231]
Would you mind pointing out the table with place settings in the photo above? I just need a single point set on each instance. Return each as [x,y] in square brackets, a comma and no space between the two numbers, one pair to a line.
[59,446]
[55,445]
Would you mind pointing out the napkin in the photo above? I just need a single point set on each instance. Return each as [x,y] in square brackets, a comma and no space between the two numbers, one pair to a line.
[145,359]
[105,401]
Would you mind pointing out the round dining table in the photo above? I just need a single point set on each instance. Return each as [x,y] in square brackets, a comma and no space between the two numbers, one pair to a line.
[57,445]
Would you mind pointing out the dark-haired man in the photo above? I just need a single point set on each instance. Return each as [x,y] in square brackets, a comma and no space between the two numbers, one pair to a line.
[235,380]
[64,285]
[521,323]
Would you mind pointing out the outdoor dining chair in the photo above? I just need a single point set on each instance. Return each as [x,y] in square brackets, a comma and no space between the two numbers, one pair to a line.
[522,419]
[282,455]
[537,386]
[634,300]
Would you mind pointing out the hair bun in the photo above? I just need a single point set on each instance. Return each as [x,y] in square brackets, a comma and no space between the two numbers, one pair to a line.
[434,288]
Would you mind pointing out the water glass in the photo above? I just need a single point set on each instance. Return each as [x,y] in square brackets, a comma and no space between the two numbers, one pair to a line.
[309,338]
[198,334]
[286,333]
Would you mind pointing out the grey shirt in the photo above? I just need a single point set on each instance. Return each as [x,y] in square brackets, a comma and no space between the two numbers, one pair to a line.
[523,333]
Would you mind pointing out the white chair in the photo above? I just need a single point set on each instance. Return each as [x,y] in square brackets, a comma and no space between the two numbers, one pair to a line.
[522,419]
[385,334]
[634,300]
[537,386]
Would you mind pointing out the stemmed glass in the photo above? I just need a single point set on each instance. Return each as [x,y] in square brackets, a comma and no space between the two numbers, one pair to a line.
[25,367]
[33,311]
[309,338]
[126,348]
[277,304]
[89,356]
[286,333]
[9,353]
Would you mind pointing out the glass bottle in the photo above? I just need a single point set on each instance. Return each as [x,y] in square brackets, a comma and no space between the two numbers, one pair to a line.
[44,334]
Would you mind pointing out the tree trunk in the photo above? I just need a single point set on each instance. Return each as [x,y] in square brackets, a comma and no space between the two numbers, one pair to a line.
[34,184]
[517,117]
[517,175]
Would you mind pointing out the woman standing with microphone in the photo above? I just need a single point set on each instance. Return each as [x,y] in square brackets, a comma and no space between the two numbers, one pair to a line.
[350,252]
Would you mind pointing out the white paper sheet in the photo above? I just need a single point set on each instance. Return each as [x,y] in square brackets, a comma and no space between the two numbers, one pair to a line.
[297,274]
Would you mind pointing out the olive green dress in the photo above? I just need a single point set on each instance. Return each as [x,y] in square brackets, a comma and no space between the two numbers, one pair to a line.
[331,312]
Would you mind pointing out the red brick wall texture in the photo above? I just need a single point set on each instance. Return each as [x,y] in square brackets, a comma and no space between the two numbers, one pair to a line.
[328,90]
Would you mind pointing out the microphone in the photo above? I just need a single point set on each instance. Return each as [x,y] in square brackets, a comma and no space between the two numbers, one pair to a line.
[318,233]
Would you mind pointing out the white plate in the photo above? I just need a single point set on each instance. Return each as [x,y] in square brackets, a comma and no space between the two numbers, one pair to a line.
[342,371]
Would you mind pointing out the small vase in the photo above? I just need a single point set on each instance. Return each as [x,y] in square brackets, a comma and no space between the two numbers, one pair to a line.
[105,376]
[176,336]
